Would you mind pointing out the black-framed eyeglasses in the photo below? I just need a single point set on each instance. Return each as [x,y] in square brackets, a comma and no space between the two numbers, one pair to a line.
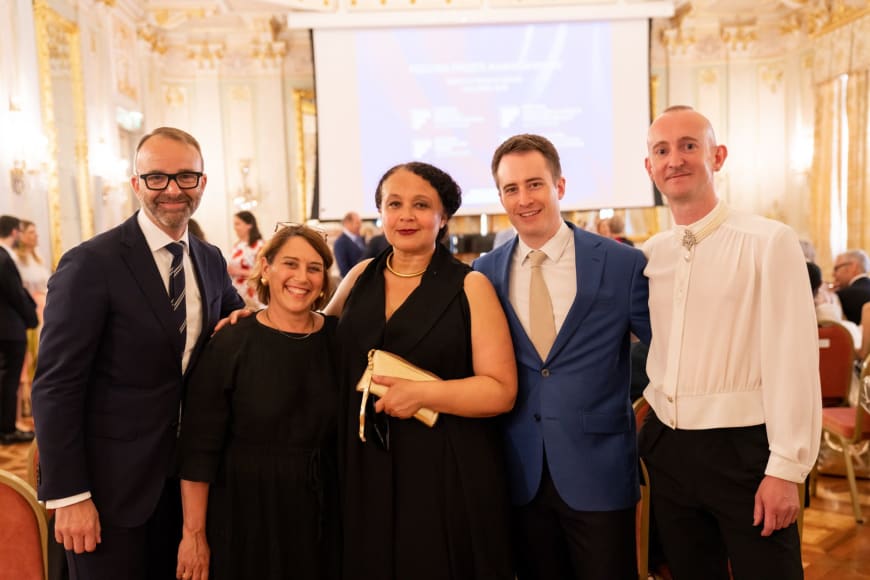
[319,231]
[838,266]
[184,180]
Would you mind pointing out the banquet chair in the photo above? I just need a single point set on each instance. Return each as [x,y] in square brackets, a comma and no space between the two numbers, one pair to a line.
[23,531]
[836,362]
[849,426]
[642,515]
[33,464]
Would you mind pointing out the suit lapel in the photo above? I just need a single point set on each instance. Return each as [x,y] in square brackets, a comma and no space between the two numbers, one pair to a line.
[523,346]
[589,258]
[139,260]
[199,258]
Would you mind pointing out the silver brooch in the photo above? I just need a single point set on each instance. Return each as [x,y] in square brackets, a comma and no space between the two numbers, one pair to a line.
[689,240]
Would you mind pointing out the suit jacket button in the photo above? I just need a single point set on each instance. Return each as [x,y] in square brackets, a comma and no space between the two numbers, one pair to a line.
[545,373]
[537,416]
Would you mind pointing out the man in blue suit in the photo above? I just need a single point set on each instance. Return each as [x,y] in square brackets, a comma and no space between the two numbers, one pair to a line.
[113,355]
[570,440]
[349,246]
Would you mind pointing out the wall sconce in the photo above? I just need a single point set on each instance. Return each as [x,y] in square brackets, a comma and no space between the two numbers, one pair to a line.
[29,146]
[110,172]
[16,176]
[246,197]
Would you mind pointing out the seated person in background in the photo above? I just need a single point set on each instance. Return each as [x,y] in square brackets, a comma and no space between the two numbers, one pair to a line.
[851,282]
[617,230]
[258,438]
[349,246]
[828,305]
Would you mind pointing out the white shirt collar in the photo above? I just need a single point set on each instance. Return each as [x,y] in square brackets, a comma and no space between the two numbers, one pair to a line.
[154,236]
[554,247]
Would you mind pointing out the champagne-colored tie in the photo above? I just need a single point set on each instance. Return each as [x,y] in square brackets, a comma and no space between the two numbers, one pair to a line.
[541,322]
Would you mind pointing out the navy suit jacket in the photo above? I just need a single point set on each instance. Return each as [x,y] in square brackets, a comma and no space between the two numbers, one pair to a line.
[347,253]
[853,297]
[576,403]
[108,381]
[17,308]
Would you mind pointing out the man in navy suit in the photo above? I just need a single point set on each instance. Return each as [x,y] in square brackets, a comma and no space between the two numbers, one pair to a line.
[570,440]
[852,282]
[112,361]
[349,246]
[17,314]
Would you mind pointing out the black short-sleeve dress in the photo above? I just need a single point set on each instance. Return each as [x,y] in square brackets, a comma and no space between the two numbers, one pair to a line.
[259,424]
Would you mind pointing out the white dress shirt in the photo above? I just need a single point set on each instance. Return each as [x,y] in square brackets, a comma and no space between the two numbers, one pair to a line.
[559,271]
[735,341]
[157,240]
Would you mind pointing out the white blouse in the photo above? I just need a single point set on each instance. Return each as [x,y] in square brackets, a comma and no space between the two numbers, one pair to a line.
[735,340]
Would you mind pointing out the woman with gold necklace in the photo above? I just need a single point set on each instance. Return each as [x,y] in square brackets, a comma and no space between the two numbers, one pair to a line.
[424,502]
[259,480]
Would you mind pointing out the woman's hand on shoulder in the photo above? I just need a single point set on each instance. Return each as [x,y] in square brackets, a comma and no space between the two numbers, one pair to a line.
[233,318]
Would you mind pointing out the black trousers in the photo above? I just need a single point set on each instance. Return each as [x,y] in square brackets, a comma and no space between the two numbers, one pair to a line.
[147,552]
[703,485]
[554,542]
[11,360]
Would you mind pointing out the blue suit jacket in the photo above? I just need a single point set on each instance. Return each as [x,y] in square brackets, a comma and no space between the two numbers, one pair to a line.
[576,403]
[108,380]
[347,253]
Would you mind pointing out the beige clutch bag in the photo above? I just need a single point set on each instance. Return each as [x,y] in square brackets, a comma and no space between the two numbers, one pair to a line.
[387,364]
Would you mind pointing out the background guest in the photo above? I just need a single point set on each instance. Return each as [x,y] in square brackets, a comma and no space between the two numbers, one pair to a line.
[17,313]
[852,282]
[617,230]
[244,256]
[195,229]
[34,276]
[349,246]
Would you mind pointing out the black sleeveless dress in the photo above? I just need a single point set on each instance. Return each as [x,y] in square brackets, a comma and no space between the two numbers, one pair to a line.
[435,506]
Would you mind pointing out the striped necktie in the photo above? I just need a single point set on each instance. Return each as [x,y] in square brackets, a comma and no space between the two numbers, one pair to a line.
[176,291]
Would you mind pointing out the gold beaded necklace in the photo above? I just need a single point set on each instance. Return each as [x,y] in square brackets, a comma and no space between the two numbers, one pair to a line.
[399,274]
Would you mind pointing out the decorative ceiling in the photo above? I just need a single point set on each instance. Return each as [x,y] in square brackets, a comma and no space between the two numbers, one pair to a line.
[699,28]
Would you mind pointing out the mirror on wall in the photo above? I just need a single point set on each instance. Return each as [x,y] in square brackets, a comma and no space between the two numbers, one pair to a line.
[306,150]
[63,114]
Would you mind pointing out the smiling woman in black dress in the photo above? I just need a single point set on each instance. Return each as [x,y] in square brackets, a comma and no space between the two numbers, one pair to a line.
[434,505]
[258,435]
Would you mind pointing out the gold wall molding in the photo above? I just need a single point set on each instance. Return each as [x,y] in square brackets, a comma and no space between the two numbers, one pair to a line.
[52,28]
[174,95]
[303,105]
